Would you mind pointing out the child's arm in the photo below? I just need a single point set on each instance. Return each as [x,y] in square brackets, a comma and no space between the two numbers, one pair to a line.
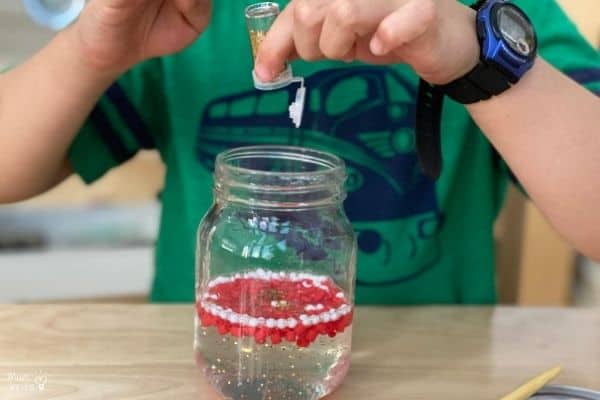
[45,101]
[547,127]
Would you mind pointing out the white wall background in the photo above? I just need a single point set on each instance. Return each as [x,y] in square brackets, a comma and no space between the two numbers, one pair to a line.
[19,36]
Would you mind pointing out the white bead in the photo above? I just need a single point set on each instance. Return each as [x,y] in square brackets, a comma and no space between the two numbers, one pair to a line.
[325,317]
[340,295]
[234,318]
[271,323]
[314,319]
[320,306]
[244,319]
[253,322]
[292,322]
[261,321]
[282,323]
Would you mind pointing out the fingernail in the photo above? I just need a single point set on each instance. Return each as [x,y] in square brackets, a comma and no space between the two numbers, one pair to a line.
[377,47]
[263,73]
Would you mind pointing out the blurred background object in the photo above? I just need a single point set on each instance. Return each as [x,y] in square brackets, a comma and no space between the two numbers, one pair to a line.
[54,14]
[96,243]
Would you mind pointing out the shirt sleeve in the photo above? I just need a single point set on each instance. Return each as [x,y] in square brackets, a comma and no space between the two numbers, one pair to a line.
[129,117]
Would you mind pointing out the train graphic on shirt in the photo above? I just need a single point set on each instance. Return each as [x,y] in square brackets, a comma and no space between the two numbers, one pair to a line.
[366,115]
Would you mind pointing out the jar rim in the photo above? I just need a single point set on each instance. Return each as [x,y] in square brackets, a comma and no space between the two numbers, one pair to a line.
[330,164]
[280,176]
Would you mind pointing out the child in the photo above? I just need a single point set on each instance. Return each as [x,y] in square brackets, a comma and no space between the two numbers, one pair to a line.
[420,241]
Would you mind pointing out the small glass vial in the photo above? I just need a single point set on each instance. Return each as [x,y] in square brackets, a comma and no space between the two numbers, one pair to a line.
[275,275]
[259,18]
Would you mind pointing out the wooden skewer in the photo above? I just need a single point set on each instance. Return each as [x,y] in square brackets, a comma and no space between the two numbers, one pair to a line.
[528,389]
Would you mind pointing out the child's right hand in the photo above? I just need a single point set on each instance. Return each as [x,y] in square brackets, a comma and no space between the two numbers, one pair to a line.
[113,35]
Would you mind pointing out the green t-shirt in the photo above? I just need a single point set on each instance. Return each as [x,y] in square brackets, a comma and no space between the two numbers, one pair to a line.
[419,241]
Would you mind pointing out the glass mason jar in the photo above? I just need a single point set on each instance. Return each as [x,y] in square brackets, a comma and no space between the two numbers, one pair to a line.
[276,262]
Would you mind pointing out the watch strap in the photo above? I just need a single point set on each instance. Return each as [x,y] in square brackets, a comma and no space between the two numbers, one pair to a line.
[427,130]
[470,88]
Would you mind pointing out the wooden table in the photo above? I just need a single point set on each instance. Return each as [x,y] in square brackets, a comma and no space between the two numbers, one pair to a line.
[145,352]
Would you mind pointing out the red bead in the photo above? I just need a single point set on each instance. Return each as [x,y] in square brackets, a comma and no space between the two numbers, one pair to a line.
[322,328]
[260,334]
[222,328]
[331,332]
[236,331]
[299,329]
[205,319]
[275,337]
[290,335]
[311,334]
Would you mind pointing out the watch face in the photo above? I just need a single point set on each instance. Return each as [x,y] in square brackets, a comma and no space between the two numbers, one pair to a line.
[516,30]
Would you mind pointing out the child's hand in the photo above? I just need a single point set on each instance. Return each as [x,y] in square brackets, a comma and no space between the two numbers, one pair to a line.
[436,37]
[114,35]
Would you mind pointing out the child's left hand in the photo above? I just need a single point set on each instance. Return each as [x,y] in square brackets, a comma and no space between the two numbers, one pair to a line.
[436,37]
